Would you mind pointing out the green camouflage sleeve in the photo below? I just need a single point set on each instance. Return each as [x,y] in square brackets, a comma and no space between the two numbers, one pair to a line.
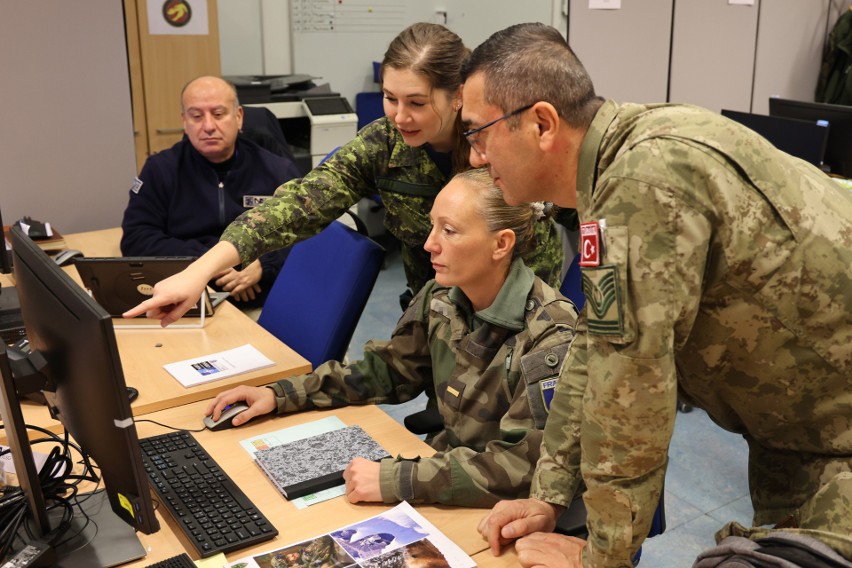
[391,372]
[503,467]
[302,207]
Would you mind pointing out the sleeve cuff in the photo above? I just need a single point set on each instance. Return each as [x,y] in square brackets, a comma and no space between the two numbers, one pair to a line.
[280,398]
[396,480]
[553,488]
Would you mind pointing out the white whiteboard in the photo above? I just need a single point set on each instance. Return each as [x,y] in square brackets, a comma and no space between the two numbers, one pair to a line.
[338,40]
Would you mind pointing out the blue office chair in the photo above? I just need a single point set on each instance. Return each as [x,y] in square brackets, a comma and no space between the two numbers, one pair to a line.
[369,106]
[320,293]
[572,284]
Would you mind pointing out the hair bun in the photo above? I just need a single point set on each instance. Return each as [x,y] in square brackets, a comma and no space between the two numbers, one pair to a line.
[541,209]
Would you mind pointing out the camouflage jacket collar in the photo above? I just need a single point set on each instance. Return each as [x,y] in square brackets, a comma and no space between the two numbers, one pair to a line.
[404,156]
[587,170]
[506,311]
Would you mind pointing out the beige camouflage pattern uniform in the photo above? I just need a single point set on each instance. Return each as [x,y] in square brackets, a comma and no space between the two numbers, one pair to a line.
[489,373]
[726,280]
[376,161]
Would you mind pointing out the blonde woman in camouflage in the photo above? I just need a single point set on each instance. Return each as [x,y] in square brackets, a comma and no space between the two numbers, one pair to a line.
[485,340]
[405,157]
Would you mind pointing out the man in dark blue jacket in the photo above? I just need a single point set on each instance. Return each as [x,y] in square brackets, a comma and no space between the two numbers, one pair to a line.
[185,196]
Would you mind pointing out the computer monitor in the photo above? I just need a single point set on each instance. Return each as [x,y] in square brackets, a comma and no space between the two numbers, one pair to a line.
[5,255]
[74,353]
[838,154]
[805,139]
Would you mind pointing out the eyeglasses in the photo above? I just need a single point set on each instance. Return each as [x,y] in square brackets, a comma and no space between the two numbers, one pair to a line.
[471,135]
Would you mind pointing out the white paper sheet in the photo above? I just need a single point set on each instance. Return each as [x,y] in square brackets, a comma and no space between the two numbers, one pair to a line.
[207,368]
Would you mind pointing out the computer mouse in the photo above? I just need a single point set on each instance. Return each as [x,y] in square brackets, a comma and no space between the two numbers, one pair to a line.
[226,417]
[65,257]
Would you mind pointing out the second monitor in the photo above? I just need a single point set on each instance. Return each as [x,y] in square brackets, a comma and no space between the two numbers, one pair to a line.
[838,153]
[805,139]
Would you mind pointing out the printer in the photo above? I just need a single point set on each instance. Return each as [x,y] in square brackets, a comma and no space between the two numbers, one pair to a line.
[315,120]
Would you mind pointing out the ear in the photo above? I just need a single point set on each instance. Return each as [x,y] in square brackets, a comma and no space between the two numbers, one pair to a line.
[503,244]
[547,123]
[457,99]
[240,117]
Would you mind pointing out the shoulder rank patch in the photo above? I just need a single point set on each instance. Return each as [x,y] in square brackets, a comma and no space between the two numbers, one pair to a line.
[440,307]
[547,387]
[603,300]
[137,185]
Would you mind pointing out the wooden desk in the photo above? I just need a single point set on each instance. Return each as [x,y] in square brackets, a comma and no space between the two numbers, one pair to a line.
[96,243]
[295,525]
[508,559]
[144,351]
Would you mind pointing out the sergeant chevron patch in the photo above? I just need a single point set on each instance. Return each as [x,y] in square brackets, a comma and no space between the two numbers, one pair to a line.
[603,300]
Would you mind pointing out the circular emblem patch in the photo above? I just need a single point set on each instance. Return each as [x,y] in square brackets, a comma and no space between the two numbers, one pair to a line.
[145,289]
[177,12]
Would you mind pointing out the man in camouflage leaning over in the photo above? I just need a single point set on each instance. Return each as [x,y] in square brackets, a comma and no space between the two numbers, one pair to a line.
[717,270]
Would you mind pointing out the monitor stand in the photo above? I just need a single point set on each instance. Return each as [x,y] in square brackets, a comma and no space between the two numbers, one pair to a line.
[105,540]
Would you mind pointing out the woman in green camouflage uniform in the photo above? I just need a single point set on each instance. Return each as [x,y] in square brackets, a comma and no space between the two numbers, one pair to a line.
[405,157]
[485,340]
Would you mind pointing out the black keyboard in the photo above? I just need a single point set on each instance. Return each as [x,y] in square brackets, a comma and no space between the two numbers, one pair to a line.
[213,513]
[179,561]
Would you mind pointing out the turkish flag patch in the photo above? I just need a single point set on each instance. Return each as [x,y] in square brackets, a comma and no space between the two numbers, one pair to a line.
[590,246]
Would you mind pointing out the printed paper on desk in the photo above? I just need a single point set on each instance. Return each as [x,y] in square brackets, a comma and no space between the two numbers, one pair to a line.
[217,366]
[398,537]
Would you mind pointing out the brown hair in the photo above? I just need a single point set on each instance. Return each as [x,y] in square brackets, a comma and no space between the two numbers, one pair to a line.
[527,63]
[436,53]
[500,215]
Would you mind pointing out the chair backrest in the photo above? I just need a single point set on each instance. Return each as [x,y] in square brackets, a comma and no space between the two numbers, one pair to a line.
[261,126]
[320,293]
[368,107]
[572,284]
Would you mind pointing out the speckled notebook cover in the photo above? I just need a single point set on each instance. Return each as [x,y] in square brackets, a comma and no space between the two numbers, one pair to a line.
[312,464]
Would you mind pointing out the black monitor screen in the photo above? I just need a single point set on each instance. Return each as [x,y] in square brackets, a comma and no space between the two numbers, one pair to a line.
[328,105]
[76,338]
[838,154]
[5,255]
[804,139]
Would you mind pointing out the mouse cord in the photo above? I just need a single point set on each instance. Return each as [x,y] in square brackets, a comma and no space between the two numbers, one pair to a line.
[166,425]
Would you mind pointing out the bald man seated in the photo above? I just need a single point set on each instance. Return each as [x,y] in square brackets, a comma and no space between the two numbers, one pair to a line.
[186,195]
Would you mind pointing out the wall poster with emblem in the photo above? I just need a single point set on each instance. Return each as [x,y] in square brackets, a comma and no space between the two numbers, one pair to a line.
[177,17]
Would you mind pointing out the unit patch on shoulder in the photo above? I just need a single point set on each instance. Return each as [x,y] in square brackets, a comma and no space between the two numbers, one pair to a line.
[603,300]
[137,185]
[547,387]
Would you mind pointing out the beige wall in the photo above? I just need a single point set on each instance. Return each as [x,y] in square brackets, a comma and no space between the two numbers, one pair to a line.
[66,134]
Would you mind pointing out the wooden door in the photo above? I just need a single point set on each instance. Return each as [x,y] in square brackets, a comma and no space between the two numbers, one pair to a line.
[166,63]
[137,88]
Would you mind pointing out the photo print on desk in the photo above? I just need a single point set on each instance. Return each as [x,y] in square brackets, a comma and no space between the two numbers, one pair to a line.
[398,538]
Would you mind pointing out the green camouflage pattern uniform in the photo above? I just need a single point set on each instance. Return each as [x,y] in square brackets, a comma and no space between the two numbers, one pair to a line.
[376,161]
[489,372]
[725,281]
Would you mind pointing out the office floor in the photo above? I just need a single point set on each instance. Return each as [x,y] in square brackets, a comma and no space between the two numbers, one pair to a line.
[706,481]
